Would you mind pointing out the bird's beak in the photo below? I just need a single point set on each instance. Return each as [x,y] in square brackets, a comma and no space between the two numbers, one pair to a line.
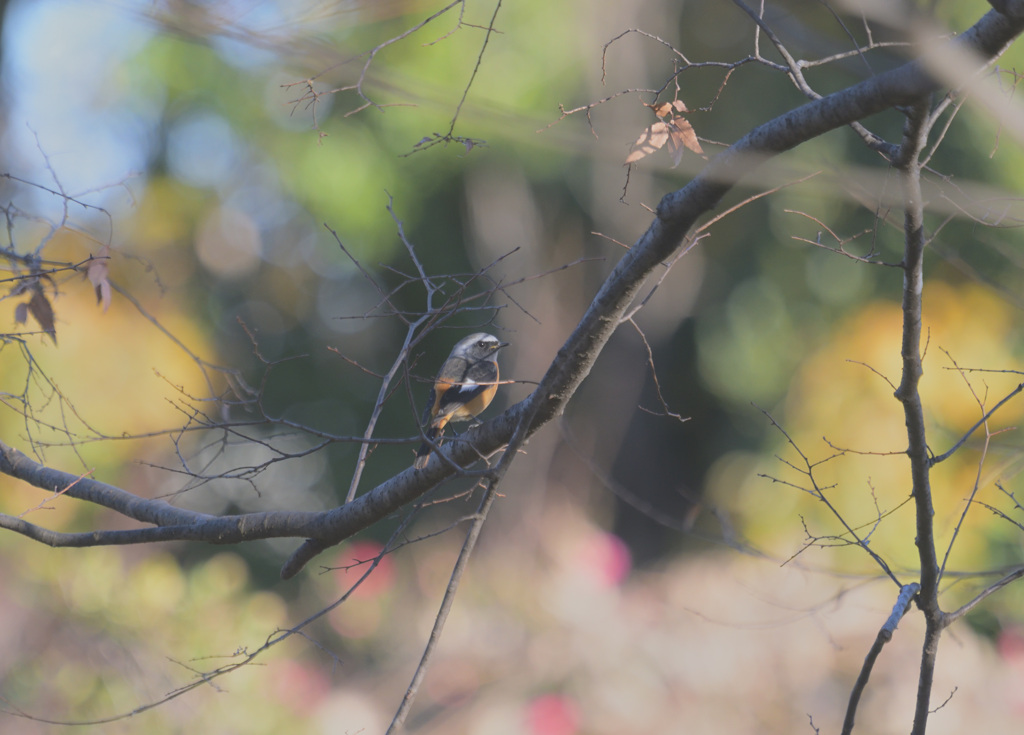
[500,345]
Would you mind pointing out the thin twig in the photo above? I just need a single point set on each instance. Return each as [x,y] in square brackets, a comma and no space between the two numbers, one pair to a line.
[492,479]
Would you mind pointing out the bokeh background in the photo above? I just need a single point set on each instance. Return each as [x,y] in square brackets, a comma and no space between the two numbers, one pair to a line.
[640,573]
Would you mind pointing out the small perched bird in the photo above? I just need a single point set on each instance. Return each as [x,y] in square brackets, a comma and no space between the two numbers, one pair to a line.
[465,386]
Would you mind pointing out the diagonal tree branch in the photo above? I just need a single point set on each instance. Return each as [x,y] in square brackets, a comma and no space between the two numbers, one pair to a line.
[678,212]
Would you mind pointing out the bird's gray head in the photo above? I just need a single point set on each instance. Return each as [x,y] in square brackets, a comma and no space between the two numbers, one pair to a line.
[479,346]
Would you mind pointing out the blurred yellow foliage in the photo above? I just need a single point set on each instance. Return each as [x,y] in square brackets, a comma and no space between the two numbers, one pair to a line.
[110,373]
[842,395]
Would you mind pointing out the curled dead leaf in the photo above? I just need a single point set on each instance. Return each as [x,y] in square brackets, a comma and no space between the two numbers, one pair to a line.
[664,109]
[103,294]
[678,133]
[661,109]
[98,273]
[682,136]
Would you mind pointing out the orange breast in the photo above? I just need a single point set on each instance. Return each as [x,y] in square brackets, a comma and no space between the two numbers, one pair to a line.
[475,406]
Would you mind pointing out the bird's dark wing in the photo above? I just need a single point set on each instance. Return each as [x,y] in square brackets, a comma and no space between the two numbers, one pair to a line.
[483,371]
[480,377]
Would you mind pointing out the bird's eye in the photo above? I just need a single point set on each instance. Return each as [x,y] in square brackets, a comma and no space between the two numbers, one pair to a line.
[481,343]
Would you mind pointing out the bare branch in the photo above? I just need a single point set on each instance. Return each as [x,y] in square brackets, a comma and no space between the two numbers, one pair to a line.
[1013,576]
[981,422]
[907,161]
[493,478]
[819,493]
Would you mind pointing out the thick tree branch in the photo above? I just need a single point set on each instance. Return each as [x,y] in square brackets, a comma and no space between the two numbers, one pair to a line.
[1011,8]
[676,214]
[170,523]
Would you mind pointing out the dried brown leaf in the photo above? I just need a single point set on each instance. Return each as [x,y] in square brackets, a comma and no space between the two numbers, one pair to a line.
[41,310]
[653,138]
[21,313]
[682,136]
[674,148]
[661,109]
